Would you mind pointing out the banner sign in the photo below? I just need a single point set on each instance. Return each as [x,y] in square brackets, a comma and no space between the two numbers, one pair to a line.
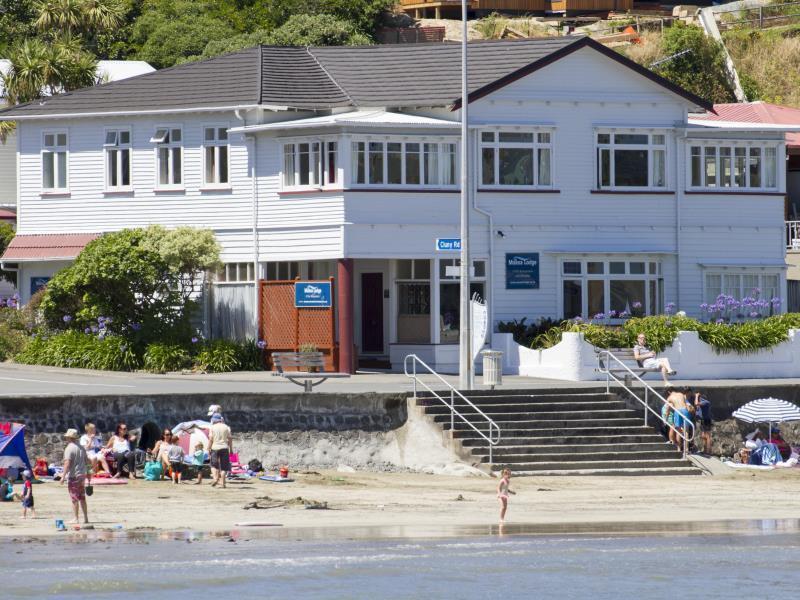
[522,271]
[480,324]
[312,294]
[448,244]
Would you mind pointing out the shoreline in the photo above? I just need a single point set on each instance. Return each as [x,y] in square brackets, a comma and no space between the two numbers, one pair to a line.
[389,505]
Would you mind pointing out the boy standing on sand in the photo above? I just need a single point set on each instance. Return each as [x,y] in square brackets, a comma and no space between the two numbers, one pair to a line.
[27,495]
[503,490]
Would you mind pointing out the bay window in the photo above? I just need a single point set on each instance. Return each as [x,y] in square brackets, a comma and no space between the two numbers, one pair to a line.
[169,156]
[309,164]
[631,160]
[516,159]
[379,163]
[715,166]
[54,161]
[118,159]
[614,287]
[215,156]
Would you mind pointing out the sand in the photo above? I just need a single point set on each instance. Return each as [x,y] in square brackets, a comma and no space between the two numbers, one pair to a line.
[401,499]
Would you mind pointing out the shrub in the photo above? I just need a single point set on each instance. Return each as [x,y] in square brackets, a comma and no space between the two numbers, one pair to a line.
[164,358]
[81,351]
[523,333]
[12,341]
[218,356]
[250,356]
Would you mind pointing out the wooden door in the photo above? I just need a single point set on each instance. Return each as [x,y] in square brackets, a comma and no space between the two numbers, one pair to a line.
[372,312]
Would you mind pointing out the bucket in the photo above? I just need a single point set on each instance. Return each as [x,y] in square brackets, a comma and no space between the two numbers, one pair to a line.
[284,472]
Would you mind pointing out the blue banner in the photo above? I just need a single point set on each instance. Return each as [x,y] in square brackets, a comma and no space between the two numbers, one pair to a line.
[312,294]
[522,271]
[448,244]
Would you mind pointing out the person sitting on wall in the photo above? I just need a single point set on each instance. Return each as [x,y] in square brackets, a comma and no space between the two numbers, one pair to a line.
[121,444]
[647,359]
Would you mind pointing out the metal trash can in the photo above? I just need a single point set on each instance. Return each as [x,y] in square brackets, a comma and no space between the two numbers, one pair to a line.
[492,367]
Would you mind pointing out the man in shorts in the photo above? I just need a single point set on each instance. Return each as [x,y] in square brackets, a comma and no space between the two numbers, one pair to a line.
[703,406]
[681,419]
[75,474]
[646,358]
[220,442]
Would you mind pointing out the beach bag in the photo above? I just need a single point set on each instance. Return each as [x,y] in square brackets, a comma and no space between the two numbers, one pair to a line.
[40,469]
[152,471]
[255,465]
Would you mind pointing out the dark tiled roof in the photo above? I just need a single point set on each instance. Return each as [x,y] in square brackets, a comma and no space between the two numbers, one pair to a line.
[398,75]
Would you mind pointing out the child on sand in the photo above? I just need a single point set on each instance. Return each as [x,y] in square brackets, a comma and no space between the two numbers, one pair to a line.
[27,495]
[503,490]
[175,458]
[198,458]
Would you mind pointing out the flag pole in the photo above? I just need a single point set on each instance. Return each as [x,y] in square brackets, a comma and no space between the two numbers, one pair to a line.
[465,326]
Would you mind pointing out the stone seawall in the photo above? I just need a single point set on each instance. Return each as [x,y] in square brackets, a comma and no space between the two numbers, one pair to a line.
[365,431]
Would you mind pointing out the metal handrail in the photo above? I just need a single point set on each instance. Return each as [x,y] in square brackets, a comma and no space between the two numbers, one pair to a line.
[647,389]
[493,427]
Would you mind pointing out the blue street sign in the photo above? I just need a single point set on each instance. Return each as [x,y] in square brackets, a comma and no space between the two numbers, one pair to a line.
[522,271]
[312,294]
[448,244]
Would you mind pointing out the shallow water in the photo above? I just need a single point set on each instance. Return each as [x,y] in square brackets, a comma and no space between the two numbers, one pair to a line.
[755,562]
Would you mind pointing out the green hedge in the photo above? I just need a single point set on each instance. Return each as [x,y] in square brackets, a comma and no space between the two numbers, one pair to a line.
[742,338]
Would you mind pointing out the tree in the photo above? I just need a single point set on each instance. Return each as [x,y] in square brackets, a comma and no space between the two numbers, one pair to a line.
[136,282]
[702,69]
[364,15]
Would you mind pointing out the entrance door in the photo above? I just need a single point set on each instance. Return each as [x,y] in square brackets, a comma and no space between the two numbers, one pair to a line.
[372,312]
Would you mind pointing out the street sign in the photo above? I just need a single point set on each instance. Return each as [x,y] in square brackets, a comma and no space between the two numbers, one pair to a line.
[448,244]
[312,294]
[522,271]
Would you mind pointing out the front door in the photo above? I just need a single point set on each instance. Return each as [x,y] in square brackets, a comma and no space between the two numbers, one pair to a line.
[372,312]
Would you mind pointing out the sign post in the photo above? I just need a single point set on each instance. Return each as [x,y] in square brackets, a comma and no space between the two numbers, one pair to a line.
[465,364]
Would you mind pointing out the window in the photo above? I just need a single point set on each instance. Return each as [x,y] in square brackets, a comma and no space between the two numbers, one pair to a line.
[118,159]
[449,295]
[614,287]
[236,273]
[215,156]
[430,164]
[312,163]
[516,159]
[733,167]
[54,161]
[169,156]
[413,301]
[753,291]
[631,160]
[282,271]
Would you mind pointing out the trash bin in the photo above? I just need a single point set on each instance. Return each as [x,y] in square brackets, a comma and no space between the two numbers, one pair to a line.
[492,367]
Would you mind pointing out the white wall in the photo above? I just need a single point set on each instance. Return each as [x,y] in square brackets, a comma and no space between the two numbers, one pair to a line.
[29,270]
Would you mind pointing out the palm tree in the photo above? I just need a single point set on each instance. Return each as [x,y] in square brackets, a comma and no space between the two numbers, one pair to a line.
[79,16]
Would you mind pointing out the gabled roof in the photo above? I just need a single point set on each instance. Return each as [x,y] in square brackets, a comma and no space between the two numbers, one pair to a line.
[749,114]
[395,75]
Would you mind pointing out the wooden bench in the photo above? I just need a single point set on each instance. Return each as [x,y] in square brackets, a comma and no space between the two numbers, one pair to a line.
[313,364]
[626,356]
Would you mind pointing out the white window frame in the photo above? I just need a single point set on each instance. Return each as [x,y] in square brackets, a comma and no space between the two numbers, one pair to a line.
[118,146]
[732,145]
[441,170]
[650,147]
[55,149]
[171,163]
[319,174]
[218,145]
[607,277]
[271,270]
[744,291]
[535,145]
[236,272]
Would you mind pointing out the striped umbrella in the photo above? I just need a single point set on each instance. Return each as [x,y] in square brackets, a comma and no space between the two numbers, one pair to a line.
[768,410]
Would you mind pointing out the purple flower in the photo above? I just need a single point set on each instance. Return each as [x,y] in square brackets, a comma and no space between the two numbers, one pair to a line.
[755,314]
[194,340]
[109,320]
[261,344]
[66,318]
[776,301]
[624,314]
[15,296]
[136,326]
[637,305]
[94,328]
[704,306]
[101,319]
[612,314]
[599,316]
[88,330]
[669,308]
[756,292]
[720,321]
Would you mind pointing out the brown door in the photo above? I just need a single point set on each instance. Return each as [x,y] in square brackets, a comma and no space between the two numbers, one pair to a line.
[372,312]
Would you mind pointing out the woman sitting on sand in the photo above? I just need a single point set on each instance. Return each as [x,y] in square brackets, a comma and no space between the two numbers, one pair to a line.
[121,444]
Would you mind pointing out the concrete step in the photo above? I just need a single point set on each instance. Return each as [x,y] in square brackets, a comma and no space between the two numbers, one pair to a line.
[558,441]
[613,472]
[572,449]
[616,457]
[428,400]
[527,426]
[546,417]
[523,407]
[572,431]
[566,465]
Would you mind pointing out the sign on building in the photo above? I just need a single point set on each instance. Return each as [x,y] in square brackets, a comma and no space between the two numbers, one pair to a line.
[448,244]
[312,294]
[522,271]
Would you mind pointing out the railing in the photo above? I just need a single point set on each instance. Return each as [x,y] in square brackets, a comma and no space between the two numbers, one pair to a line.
[494,429]
[768,15]
[793,235]
[648,389]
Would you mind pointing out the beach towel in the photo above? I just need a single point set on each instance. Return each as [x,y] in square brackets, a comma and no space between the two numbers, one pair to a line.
[109,481]
[275,479]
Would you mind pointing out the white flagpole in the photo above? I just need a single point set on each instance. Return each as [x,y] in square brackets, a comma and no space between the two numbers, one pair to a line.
[465,321]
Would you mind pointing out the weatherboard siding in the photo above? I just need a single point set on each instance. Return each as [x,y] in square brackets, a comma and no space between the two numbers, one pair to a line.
[8,171]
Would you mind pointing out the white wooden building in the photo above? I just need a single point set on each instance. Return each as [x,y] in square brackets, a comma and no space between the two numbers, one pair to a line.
[592,190]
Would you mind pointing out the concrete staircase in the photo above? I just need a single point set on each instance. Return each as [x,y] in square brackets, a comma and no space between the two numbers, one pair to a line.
[560,432]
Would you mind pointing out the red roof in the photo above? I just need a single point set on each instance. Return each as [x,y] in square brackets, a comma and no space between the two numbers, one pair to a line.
[756,112]
[62,246]
[7,214]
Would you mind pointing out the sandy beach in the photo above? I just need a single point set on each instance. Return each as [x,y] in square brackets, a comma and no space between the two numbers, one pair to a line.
[398,499]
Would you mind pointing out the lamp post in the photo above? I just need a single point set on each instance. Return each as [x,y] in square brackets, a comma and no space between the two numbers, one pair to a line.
[465,325]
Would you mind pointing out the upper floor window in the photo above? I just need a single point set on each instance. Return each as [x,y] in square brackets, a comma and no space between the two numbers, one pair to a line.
[518,159]
[118,158]
[236,273]
[430,164]
[748,167]
[631,160]
[169,156]
[215,156]
[282,271]
[54,161]
[311,163]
